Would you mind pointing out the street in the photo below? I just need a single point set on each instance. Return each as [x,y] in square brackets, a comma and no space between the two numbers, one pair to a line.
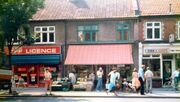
[86,99]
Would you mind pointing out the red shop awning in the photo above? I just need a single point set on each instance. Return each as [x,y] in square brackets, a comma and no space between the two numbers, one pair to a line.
[99,54]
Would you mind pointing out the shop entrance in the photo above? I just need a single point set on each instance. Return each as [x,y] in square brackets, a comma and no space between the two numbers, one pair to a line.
[32,76]
[167,71]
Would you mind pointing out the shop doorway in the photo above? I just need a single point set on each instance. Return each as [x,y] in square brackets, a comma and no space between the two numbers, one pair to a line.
[167,71]
[32,76]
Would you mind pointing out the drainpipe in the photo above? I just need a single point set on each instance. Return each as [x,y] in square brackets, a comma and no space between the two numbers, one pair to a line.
[64,48]
[140,54]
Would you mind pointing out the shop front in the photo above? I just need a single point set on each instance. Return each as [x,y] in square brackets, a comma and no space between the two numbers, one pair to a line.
[163,59]
[29,62]
[84,60]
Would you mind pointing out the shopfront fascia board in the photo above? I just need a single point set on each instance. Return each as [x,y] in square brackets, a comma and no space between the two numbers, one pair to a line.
[161,49]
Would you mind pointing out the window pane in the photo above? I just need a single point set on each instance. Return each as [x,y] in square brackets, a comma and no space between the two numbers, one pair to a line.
[125,27]
[51,37]
[44,37]
[179,32]
[87,36]
[38,29]
[51,28]
[120,27]
[149,33]
[149,24]
[93,36]
[94,27]
[126,35]
[38,37]
[44,29]
[146,55]
[154,65]
[87,27]
[157,24]
[157,33]
[80,36]
[80,27]
[119,35]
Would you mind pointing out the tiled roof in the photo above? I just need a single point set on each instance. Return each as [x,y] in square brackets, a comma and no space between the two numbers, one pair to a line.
[159,7]
[85,9]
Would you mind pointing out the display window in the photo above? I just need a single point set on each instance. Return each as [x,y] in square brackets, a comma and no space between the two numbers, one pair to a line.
[154,65]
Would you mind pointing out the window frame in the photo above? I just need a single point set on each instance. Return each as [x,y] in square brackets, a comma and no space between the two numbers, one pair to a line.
[120,28]
[47,32]
[153,27]
[178,28]
[84,31]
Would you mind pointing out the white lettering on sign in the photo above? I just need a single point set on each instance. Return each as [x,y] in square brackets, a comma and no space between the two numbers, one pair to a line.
[40,51]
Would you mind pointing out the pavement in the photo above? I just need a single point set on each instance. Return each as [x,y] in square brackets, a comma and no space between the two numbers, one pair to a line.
[40,92]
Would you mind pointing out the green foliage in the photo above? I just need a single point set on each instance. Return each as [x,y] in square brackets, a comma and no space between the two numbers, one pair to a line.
[14,15]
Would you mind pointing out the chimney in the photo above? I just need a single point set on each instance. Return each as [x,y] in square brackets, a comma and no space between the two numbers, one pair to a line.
[136,7]
[170,8]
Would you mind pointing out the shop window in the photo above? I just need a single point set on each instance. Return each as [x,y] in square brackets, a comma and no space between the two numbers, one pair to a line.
[167,57]
[156,55]
[146,55]
[44,34]
[153,31]
[87,33]
[154,65]
[123,31]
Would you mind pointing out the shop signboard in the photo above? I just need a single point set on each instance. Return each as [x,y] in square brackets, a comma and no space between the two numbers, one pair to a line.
[161,50]
[34,50]
[155,50]
[174,50]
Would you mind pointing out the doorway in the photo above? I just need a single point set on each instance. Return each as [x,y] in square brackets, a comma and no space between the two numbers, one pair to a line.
[167,71]
[32,76]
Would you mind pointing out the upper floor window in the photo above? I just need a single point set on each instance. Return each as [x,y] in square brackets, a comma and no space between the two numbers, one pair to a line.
[45,34]
[179,30]
[123,31]
[153,31]
[87,33]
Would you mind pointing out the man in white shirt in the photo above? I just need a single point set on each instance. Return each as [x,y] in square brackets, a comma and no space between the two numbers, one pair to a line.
[99,75]
[114,76]
[175,76]
[72,78]
[47,78]
[148,76]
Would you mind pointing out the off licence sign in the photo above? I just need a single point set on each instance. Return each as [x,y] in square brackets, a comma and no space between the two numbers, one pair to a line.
[29,50]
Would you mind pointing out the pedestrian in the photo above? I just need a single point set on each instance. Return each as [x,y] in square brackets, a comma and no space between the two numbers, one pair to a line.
[114,76]
[148,76]
[99,75]
[118,81]
[13,85]
[72,78]
[175,77]
[48,81]
[21,82]
[141,78]
[135,81]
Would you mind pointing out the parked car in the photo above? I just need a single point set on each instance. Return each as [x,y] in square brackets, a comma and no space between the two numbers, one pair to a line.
[5,79]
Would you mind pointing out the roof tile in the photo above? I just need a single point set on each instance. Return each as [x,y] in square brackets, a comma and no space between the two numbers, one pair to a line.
[84,9]
[159,7]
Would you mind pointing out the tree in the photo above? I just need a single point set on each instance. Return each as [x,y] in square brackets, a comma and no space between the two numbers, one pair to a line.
[2,43]
[15,15]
